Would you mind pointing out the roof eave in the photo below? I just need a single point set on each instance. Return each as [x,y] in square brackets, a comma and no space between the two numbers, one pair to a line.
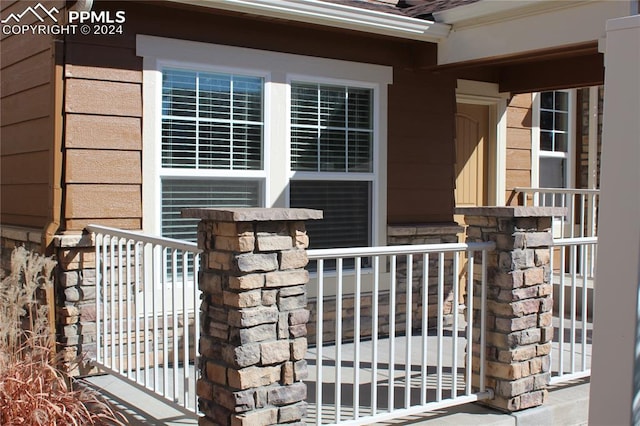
[334,15]
[486,11]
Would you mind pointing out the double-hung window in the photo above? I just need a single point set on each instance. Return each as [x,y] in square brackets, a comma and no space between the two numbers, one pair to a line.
[212,144]
[554,139]
[226,126]
[556,125]
[332,160]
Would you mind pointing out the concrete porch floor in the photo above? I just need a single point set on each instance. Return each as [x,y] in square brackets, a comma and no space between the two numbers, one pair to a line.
[567,404]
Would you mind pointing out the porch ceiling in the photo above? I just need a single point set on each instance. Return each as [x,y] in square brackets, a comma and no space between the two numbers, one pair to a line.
[575,65]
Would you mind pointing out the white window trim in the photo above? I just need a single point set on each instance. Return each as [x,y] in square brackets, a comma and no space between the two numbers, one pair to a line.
[278,70]
[536,152]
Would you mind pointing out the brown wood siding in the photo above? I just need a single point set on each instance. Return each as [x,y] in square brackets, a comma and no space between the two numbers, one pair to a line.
[27,122]
[518,164]
[104,104]
[421,151]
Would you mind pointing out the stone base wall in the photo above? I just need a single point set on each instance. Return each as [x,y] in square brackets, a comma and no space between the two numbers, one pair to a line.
[397,235]
[12,237]
[76,302]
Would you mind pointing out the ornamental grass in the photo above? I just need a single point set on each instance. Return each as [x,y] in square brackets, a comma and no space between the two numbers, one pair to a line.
[33,391]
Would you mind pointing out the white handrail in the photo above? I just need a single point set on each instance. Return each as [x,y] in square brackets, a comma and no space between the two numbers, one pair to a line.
[531,190]
[151,239]
[400,249]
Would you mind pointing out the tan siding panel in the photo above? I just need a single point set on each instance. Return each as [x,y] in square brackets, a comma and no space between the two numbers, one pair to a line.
[97,73]
[103,201]
[79,224]
[32,72]
[518,159]
[28,105]
[28,200]
[29,168]
[98,62]
[103,132]
[518,117]
[96,166]
[518,138]
[518,178]
[521,101]
[28,136]
[512,198]
[103,97]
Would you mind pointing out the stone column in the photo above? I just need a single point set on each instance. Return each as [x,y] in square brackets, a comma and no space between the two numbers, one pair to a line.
[519,313]
[253,315]
[76,302]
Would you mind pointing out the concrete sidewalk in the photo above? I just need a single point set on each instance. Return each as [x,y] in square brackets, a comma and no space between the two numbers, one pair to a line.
[566,405]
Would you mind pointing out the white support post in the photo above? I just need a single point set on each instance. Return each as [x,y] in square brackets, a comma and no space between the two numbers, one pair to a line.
[616,357]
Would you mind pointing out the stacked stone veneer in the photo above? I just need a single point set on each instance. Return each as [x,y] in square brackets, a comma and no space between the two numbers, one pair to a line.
[396,235]
[425,234]
[12,237]
[253,315]
[73,298]
[76,302]
[519,303]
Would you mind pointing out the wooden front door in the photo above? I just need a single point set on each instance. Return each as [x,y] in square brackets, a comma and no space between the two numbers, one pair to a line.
[472,146]
[472,140]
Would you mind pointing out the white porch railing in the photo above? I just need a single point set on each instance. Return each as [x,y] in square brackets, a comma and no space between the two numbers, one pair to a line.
[573,264]
[398,358]
[581,205]
[573,280]
[147,300]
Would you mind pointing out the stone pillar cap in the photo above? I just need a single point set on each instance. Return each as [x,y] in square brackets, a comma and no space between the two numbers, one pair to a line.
[512,211]
[251,214]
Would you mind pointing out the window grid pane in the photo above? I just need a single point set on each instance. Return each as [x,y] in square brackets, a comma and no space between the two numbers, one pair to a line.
[554,121]
[331,128]
[212,121]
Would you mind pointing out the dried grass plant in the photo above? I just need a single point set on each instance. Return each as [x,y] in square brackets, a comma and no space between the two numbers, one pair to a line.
[32,390]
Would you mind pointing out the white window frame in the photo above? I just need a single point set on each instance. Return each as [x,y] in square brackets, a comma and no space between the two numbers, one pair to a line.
[537,153]
[559,225]
[278,70]
[343,176]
